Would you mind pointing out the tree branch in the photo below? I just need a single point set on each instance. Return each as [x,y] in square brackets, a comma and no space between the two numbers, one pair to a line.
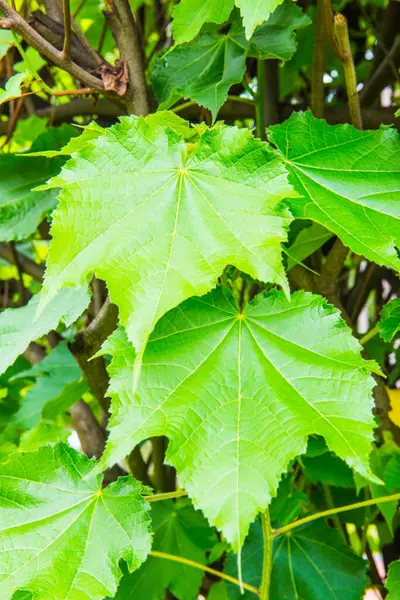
[87,343]
[27,265]
[67,28]
[381,76]
[124,30]
[318,62]
[19,25]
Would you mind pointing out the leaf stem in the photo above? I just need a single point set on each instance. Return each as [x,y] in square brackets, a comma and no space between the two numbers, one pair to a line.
[166,496]
[343,42]
[337,509]
[369,335]
[267,555]
[197,565]
[260,113]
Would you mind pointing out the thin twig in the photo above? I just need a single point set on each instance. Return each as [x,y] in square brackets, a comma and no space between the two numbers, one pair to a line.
[15,22]
[67,28]
[329,28]
[166,496]
[267,555]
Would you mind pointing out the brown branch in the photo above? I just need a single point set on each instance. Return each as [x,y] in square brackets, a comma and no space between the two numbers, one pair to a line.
[318,62]
[381,76]
[67,28]
[124,30]
[27,265]
[19,25]
[271,96]
[87,343]
[329,28]
[91,435]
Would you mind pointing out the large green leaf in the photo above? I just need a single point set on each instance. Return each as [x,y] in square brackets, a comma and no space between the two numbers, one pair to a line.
[158,220]
[393,581]
[178,530]
[20,326]
[208,370]
[58,385]
[349,180]
[22,209]
[310,562]
[205,68]
[389,323]
[307,242]
[62,535]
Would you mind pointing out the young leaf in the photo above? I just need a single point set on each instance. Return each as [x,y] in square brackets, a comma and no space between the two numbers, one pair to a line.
[179,530]
[13,87]
[349,181]
[310,562]
[393,581]
[159,220]
[208,370]
[59,384]
[20,326]
[62,534]
[21,208]
[190,15]
[389,324]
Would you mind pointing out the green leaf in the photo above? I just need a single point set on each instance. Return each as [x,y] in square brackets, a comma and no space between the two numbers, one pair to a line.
[255,12]
[208,369]
[179,530]
[21,209]
[389,323]
[276,37]
[207,67]
[20,326]
[328,469]
[380,459]
[349,181]
[392,473]
[203,70]
[307,242]
[62,534]
[393,581]
[288,503]
[309,562]
[59,384]
[189,17]
[13,87]
[90,132]
[6,41]
[168,217]
[28,130]
[41,435]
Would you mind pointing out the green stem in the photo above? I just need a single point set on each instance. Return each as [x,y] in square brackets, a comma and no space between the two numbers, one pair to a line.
[260,113]
[165,496]
[369,335]
[337,509]
[335,518]
[196,565]
[267,555]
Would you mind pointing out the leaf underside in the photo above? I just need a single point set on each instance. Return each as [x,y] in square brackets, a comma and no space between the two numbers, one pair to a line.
[208,371]
[159,221]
